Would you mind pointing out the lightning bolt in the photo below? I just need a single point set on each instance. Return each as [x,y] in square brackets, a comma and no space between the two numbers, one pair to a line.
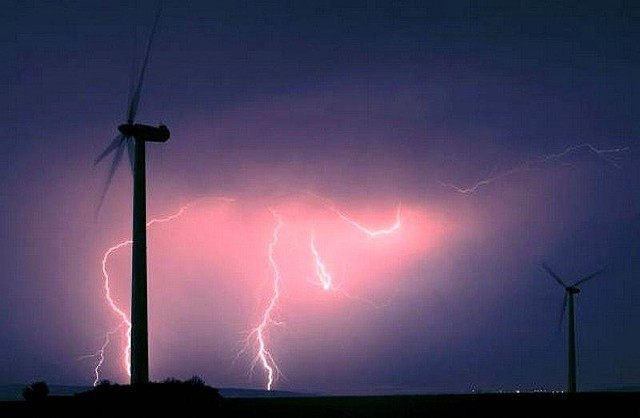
[100,354]
[321,271]
[124,319]
[368,231]
[320,268]
[260,332]
[326,280]
[607,155]
[264,356]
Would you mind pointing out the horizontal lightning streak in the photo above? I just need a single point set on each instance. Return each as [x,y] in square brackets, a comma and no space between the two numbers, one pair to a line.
[604,154]
[370,232]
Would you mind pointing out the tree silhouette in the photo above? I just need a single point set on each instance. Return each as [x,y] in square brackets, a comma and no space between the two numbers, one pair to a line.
[104,382]
[35,392]
[196,381]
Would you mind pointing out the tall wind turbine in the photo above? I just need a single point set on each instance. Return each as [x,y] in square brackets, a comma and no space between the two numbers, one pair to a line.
[134,136]
[569,292]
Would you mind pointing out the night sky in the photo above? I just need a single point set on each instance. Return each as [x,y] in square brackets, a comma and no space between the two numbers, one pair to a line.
[507,134]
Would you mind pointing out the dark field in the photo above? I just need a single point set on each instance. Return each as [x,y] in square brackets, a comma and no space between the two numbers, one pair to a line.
[605,404]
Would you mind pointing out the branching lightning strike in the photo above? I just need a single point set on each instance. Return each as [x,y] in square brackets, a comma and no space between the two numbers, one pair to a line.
[124,319]
[264,355]
[100,353]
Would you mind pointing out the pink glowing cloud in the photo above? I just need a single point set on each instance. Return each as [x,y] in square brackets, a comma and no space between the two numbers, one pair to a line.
[251,265]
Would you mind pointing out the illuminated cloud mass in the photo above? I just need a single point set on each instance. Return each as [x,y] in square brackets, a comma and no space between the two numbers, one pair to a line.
[356,198]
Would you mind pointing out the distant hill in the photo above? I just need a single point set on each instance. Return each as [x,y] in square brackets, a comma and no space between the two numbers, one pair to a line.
[260,393]
[621,389]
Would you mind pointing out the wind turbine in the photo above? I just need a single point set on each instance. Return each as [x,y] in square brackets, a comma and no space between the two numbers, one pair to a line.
[134,136]
[570,291]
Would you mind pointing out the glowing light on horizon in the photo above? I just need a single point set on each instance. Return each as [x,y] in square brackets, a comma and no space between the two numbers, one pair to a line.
[604,154]
[258,337]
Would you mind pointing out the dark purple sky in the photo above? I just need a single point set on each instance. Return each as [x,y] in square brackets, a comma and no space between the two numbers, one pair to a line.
[364,103]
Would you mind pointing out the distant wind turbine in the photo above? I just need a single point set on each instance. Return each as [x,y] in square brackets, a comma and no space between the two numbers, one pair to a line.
[570,291]
[133,136]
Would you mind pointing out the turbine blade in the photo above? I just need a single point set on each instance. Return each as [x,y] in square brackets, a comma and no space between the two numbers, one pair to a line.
[132,152]
[564,309]
[112,170]
[115,143]
[552,274]
[135,98]
[589,277]
[132,75]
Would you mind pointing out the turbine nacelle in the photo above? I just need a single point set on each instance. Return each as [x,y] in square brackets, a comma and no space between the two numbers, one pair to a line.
[145,132]
[572,290]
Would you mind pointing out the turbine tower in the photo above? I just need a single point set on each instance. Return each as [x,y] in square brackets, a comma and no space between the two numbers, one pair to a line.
[569,292]
[134,136]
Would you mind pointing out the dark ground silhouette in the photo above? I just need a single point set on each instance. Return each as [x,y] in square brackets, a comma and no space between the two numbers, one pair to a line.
[194,398]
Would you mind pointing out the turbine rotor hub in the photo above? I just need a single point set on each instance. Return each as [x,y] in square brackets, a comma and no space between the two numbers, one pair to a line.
[127,129]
